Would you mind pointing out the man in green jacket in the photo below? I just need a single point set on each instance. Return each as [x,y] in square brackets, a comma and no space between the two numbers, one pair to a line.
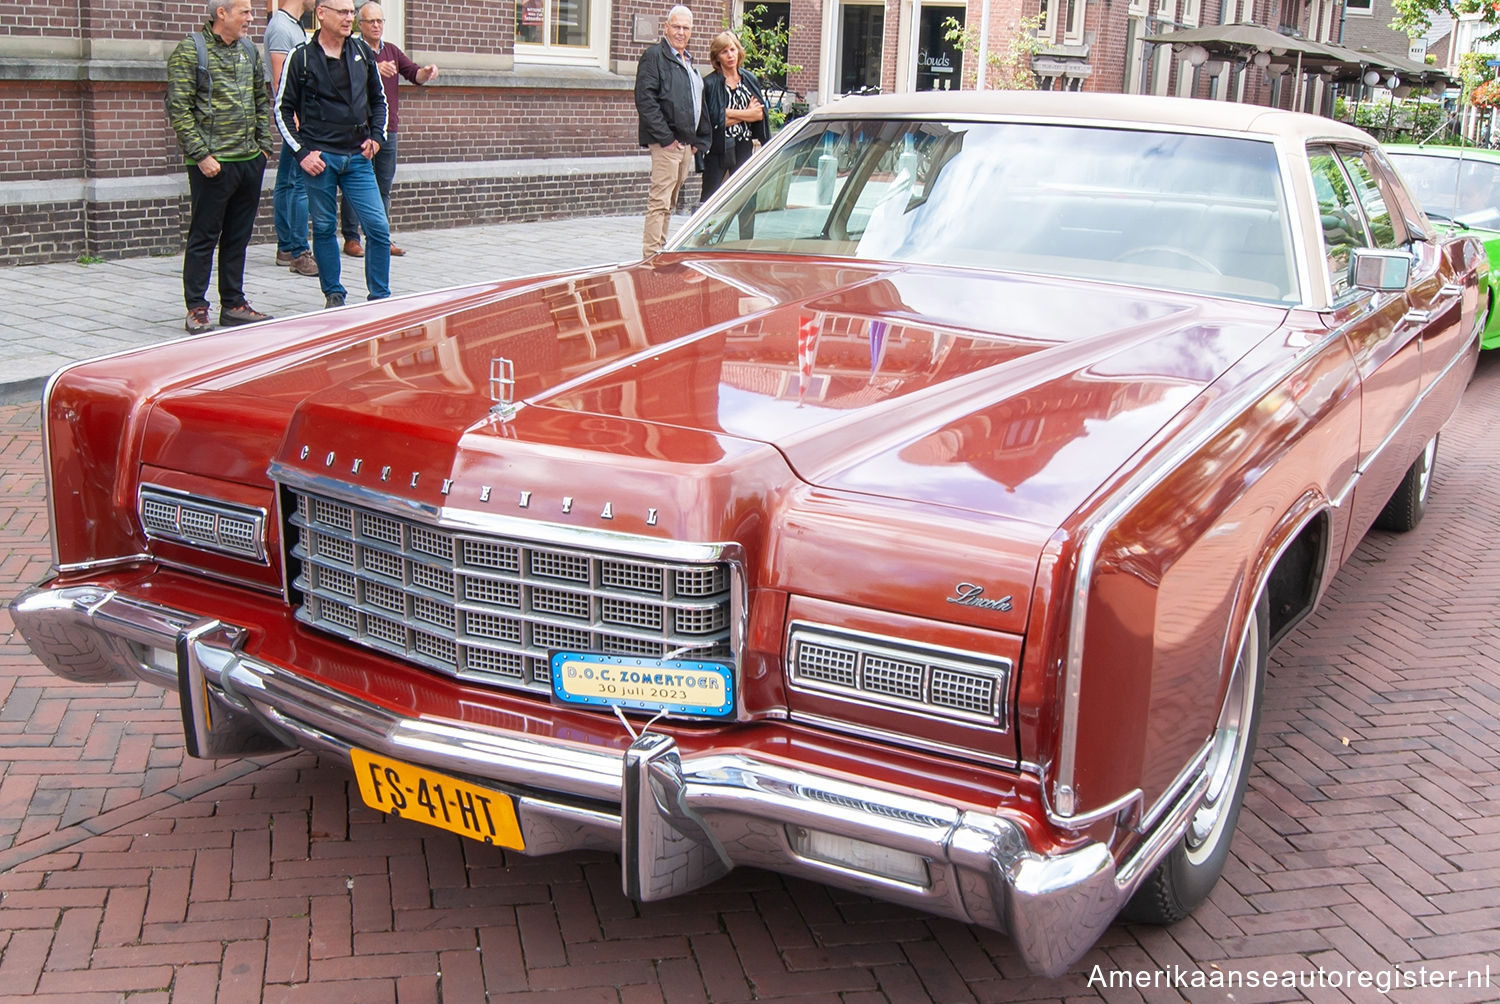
[223,124]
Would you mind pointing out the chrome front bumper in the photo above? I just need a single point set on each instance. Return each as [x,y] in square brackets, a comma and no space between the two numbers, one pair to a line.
[678,823]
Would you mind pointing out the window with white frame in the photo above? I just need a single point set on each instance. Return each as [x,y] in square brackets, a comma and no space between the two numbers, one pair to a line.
[1360,8]
[395,20]
[561,31]
[860,46]
[1062,21]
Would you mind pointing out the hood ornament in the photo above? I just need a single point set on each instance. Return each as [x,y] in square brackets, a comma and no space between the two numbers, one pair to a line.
[503,388]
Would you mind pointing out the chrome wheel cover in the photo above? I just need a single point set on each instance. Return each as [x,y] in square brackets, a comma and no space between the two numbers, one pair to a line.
[1424,476]
[1226,759]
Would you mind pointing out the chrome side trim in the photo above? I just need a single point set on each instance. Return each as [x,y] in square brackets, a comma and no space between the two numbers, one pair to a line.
[1339,500]
[1177,809]
[1079,821]
[1064,797]
[1184,780]
[902,739]
[1134,870]
[101,564]
[47,486]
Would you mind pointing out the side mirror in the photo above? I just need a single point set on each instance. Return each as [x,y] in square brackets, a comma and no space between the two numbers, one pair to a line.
[1379,270]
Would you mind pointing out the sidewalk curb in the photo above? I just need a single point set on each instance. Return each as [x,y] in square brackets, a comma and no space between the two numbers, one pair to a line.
[22,391]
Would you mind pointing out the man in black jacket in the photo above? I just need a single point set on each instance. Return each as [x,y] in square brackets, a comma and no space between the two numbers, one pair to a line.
[331,111]
[669,100]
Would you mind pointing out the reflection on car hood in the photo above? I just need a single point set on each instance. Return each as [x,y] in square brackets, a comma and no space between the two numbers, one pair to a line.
[1008,395]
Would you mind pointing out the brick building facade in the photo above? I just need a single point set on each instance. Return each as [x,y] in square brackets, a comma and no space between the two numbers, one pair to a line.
[532,114]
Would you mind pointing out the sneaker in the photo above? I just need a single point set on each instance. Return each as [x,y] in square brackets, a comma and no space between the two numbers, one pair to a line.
[243,314]
[352,248]
[304,264]
[283,257]
[197,321]
[333,300]
[396,252]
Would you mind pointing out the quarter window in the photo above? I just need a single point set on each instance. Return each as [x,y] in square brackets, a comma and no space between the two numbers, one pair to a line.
[1338,206]
[1387,232]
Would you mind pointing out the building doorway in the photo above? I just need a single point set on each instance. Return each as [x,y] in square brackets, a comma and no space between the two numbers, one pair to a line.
[939,62]
[861,43]
[768,15]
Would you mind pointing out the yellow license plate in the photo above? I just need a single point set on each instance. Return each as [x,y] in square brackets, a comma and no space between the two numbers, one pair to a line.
[426,796]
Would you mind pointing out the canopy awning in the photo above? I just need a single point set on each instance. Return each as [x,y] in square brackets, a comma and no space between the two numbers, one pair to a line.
[1241,41]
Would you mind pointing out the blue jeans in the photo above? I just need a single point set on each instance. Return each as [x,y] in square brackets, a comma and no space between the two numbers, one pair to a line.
[384,164]
[289,201]
[352,175]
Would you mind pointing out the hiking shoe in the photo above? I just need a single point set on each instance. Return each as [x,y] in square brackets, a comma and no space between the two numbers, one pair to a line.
[283,257]
[243,314]
[197,321]
[333,300]
[352,248]
[304,264]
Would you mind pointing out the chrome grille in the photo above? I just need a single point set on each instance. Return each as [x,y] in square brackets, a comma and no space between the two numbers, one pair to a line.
[493,609]
[201,522]
[967,686]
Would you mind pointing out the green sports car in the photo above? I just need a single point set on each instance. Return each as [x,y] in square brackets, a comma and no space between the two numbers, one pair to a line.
[1460,187]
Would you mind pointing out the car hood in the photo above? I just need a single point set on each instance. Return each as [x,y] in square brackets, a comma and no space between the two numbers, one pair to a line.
[1005,395]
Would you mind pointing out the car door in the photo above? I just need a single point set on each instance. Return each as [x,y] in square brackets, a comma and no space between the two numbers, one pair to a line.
[1436,296]
[1384,340]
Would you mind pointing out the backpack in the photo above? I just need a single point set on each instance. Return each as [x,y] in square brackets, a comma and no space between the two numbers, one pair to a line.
[205,83]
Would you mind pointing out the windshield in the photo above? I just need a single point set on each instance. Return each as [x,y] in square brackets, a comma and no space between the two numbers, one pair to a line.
[1198,213]
[1452,188]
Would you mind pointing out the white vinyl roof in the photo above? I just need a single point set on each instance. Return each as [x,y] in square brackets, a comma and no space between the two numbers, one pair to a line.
[1123,109]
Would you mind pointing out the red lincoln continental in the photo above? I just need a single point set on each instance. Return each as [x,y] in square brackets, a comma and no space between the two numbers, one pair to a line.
[917,522]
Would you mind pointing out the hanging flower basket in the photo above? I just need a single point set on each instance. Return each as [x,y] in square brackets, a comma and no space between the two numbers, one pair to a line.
[1486,95]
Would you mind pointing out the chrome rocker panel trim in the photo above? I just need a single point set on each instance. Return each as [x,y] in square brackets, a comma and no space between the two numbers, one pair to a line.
[679,823]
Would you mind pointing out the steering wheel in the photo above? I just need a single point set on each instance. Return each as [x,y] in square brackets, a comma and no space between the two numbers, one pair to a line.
[1201,263]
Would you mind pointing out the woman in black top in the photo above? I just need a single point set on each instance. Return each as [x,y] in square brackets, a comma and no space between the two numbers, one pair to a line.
[734,106]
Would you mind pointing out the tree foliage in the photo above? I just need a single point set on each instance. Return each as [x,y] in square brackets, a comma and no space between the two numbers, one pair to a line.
[766,45]
[1011,61]
[1415,16]
[1473,74]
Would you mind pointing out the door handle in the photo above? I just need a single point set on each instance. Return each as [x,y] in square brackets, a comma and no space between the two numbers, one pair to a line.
[1441,302]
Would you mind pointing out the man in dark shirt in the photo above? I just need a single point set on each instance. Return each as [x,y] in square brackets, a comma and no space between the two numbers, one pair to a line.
[669,101]
[223,128]
[331,111]
[393,65]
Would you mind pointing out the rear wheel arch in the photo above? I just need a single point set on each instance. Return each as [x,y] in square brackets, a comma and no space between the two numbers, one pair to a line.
[1295,580]
[1286,587]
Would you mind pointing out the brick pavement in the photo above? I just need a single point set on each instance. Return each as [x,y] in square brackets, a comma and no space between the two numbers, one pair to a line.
[1370,839]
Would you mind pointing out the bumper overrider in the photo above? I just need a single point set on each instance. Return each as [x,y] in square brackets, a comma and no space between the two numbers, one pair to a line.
[678,823]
